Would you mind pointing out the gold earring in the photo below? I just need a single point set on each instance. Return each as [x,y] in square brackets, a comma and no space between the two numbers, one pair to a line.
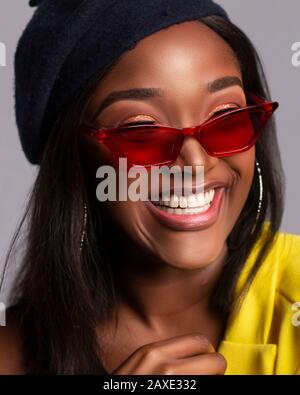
[83,226]
[261,190]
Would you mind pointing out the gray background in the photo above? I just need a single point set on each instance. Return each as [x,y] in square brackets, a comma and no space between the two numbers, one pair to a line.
[272,25]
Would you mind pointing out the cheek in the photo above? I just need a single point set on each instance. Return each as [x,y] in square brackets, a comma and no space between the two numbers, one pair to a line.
[243,166]
[131,216]
[188,249]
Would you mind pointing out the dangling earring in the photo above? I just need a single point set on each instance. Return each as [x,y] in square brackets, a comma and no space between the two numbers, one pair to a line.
[83,227]
[261,190]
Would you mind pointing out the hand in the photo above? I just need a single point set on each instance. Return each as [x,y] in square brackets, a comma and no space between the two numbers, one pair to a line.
[185,354]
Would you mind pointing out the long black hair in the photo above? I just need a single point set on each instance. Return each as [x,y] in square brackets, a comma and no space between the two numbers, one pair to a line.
[60,295]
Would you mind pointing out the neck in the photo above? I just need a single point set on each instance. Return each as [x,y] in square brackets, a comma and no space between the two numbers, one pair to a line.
[157,293]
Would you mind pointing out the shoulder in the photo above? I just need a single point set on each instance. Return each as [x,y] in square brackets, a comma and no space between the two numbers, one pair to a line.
[10,343]
[280,268]
[280,271]
[269,315]
[285,324]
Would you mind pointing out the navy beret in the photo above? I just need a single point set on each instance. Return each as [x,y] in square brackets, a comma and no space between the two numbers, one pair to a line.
[67,41]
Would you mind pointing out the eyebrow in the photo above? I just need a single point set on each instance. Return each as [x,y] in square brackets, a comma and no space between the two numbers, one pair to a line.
[147,93]
[133,94]
[223,83]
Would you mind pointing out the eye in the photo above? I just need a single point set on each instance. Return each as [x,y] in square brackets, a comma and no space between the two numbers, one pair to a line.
[142,123]
[223,110]
[218,111]
[137,120]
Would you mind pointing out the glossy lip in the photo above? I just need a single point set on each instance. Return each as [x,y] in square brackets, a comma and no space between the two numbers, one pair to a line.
[199,221]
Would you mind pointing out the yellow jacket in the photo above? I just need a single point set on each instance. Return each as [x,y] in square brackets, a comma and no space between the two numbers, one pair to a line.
[263,337]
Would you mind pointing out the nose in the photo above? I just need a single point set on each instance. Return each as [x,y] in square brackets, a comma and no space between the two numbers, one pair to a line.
[193,154]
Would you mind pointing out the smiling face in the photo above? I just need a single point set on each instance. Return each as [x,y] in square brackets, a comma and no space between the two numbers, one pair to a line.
[197,74]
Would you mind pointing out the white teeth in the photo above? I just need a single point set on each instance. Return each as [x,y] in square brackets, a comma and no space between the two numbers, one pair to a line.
[192,204]
[174,201]
[177,211]
[183,202]
[165,201]
[192,201]
[200,199]
[185,211]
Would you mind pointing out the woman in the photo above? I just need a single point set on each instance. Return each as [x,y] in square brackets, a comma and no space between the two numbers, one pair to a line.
[131,287]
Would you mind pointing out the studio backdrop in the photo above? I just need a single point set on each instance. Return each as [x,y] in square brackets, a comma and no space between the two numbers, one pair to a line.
[272,25]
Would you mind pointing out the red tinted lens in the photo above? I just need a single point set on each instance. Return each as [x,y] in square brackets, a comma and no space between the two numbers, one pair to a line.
[146,145]
[233,133]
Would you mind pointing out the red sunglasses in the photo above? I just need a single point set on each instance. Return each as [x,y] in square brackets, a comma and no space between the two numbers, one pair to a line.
[230,133]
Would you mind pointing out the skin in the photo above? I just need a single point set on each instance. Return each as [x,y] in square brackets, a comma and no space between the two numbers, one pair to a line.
[166,277]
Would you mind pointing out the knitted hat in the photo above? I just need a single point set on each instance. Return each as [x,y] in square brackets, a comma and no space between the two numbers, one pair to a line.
[67,41]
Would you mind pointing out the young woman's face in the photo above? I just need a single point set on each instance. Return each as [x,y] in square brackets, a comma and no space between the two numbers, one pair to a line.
[184,61]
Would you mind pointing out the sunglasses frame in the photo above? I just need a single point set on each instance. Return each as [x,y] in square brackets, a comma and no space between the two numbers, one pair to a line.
[105,135]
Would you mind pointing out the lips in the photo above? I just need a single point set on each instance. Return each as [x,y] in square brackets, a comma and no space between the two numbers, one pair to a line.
[192,221]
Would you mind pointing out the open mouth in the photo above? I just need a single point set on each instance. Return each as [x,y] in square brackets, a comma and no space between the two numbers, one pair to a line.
[195,211]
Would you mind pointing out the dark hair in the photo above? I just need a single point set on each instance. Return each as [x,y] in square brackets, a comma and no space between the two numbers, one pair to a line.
[60,295]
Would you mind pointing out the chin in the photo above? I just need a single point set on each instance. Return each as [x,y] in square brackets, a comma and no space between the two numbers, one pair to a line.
[192,257]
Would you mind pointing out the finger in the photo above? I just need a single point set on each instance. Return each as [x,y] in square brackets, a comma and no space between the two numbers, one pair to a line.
[181,346]
[129,365]
[150,355]
[205,364]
